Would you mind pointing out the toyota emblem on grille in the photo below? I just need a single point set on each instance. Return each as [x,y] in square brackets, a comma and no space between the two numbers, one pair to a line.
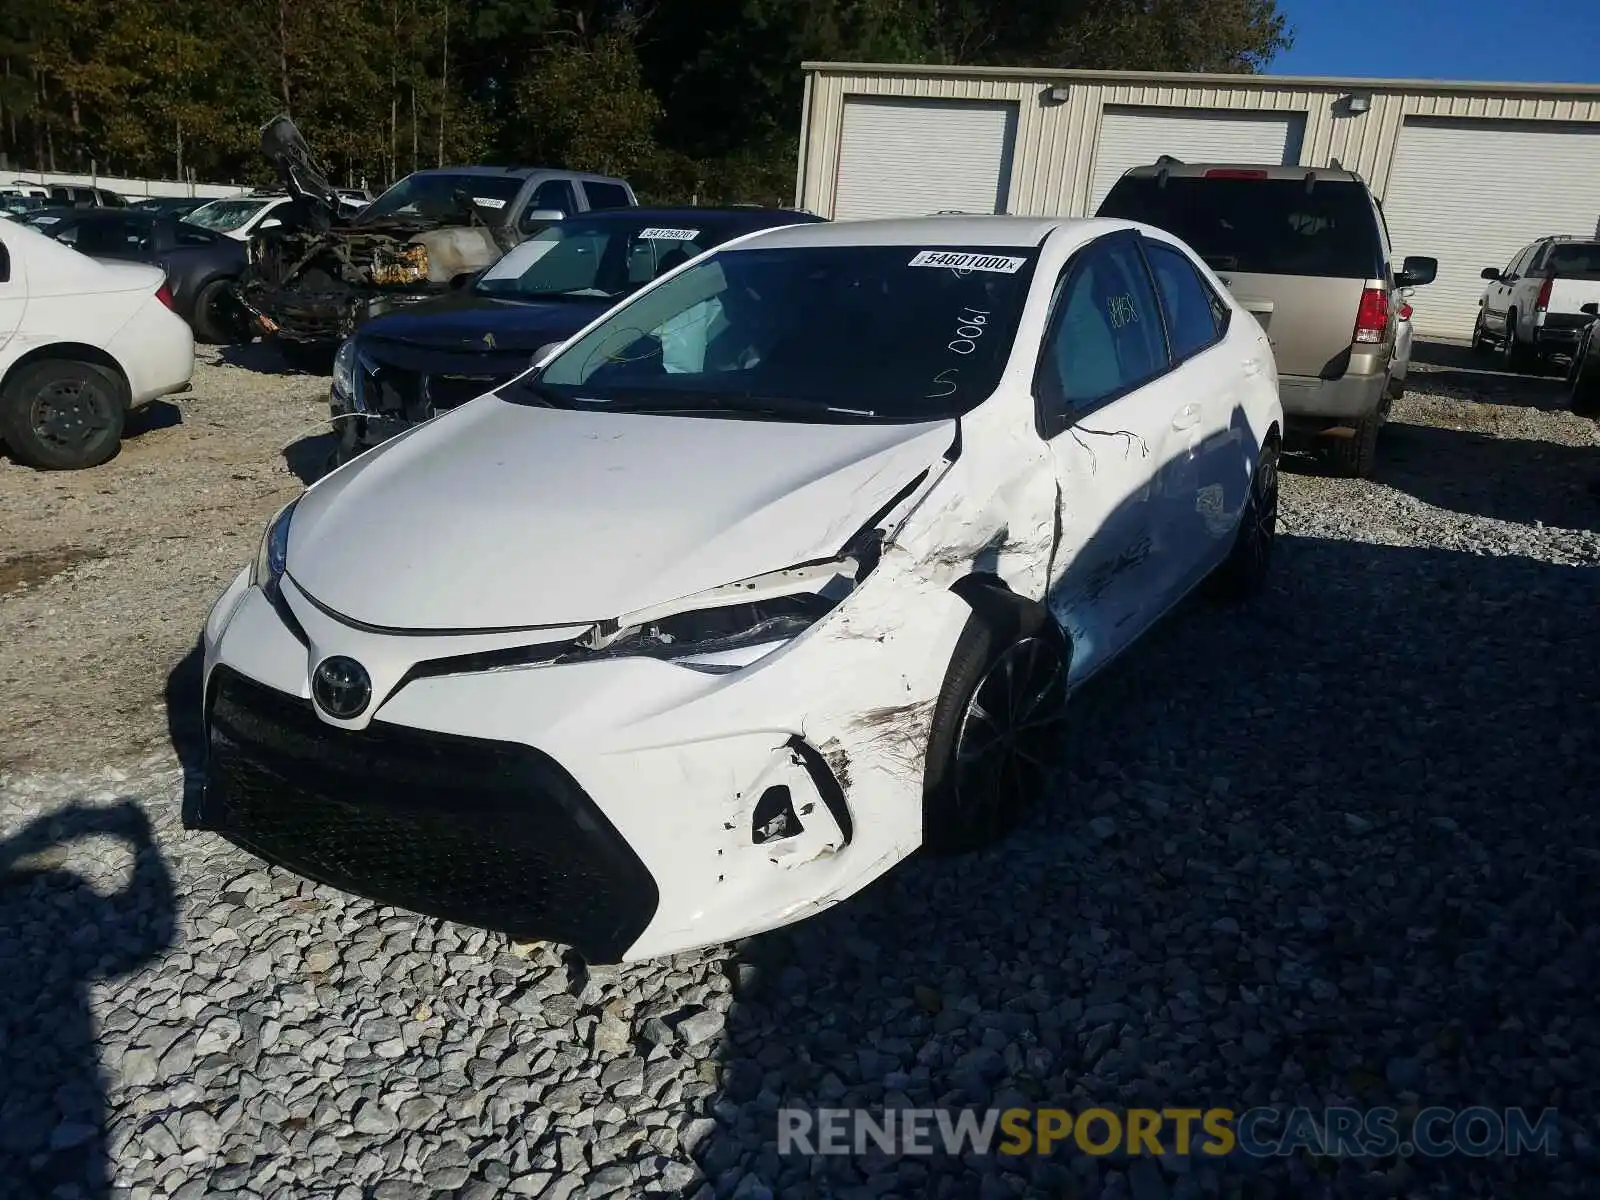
[342,687]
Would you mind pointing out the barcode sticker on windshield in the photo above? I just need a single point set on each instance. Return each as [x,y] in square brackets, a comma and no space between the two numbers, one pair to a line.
[669,235]
[488,202]
[999,264]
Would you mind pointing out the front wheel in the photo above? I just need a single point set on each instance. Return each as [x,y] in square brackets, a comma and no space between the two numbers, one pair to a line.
[1244,572]
[1480,338]
[217,318]
[62,415]
[996,730]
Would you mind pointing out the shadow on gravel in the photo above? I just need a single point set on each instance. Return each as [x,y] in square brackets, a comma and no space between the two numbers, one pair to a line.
[158,414]
[185,723]
[1452,368]
[58,934]
[1335,848]
[1507,479]
[310,458]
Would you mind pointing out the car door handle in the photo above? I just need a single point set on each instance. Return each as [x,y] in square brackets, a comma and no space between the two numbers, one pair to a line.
[1186,417]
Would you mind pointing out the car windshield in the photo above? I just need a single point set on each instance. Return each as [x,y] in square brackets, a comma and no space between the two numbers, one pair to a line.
[442,197]
[1575,259]
[224,216]
[1259,226]
[595,258]
[899,333]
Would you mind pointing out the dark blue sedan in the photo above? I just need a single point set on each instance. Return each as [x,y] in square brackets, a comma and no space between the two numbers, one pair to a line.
[400,369]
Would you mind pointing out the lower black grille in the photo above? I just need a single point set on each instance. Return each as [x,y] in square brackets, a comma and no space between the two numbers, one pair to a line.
[486,833]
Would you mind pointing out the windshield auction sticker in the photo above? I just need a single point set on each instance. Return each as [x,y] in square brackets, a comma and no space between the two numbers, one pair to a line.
[488,202]
[999,264]
[668,235]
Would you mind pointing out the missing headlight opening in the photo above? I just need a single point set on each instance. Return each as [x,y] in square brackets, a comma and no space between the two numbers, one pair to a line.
[774,818]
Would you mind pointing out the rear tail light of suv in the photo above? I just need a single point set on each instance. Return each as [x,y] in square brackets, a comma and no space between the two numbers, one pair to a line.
[1372,318]
[1543,303]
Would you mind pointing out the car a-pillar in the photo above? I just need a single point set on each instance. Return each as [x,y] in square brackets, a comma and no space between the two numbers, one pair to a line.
[997,720]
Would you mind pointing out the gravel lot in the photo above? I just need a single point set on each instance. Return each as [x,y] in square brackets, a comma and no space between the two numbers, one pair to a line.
[1336,848]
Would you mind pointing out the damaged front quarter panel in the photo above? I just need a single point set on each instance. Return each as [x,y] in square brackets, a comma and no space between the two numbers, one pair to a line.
[883,655]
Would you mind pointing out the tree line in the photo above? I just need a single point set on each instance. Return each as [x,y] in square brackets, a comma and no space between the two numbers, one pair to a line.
[686,98]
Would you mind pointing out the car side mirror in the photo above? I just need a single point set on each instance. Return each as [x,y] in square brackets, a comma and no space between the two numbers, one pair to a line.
[457,282]
[1417,271]
[270,223]
[543,214]
[1490,273]
[545,353]
[1592,308]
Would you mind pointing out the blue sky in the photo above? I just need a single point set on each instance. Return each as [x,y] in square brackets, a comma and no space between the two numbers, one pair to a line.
[1548,41]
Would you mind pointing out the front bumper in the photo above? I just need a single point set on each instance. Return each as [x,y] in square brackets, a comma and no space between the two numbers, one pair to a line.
[621,806]
[324,318]
[478,831]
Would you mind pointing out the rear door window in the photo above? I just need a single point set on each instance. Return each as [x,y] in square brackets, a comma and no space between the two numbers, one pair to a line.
[606,195]
[1189,303]
[1260,226]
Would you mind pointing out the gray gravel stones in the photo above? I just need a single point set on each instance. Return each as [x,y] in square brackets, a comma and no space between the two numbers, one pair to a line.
[1337,847]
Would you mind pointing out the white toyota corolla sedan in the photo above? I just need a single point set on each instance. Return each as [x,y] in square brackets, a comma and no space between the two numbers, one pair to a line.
[774,574]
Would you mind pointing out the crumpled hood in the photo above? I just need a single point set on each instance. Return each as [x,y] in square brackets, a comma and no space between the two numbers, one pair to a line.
[501,516]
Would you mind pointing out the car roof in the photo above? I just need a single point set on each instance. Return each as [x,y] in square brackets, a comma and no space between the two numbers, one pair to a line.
[509,172]
[939,231]
[687,214]
[1189,170]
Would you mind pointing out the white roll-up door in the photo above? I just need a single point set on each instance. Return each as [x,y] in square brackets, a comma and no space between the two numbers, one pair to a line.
[910,158]
[1136,137]
[1471,193]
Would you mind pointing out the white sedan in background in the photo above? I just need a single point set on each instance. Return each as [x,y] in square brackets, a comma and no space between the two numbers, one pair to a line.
[82,344]
[238,217]
[773,574]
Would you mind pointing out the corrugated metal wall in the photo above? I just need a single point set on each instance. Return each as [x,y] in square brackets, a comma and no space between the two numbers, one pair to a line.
[1055,141]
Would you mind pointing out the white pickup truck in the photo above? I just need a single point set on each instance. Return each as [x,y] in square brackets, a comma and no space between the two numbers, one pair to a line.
[1533,307]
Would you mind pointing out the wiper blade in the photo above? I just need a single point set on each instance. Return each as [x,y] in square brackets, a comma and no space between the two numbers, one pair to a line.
[538,393]
[744,402]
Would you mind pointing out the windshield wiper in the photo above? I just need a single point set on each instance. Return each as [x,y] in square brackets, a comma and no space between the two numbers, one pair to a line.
[742,402]
[541,394]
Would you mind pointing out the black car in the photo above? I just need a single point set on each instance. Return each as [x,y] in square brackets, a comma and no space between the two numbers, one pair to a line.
[405,367]
[172,206]
[1585,371]
[202,267]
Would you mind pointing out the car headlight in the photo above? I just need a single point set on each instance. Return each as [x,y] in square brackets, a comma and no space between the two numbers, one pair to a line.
[713,640]
[344,369]
[273,554]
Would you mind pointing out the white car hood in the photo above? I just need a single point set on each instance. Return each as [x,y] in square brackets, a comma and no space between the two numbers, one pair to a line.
[502,516]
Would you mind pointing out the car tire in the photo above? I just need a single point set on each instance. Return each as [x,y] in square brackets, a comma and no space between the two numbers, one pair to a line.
[1356,457]
[1480,337]
[61,414]
[1244,572]
[212,320]
[979,782]
[1514,356]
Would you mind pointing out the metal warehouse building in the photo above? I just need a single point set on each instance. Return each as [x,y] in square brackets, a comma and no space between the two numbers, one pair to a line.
[1467,172]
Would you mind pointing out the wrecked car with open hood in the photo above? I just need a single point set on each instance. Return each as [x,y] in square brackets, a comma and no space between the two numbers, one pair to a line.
[778,571]
[318,271]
